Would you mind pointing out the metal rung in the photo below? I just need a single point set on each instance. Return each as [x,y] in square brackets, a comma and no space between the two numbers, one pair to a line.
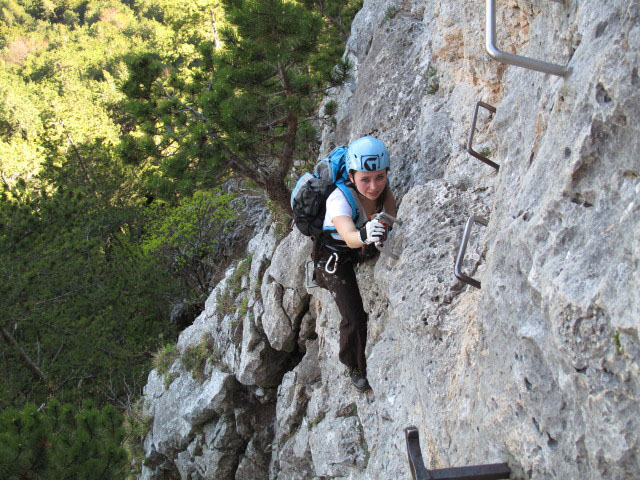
[470,149]
[518,60]
[493,471]
[463,247]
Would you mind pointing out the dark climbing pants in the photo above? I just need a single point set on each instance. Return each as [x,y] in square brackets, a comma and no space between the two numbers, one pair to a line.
[353,328]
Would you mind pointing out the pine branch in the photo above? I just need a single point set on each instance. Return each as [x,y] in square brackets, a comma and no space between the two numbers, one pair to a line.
[274,123]
[332,21]
[26,360]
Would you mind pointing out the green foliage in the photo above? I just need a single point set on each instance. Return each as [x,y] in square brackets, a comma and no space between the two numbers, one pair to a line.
[61,441]
[486,151]
[136,426]
[226,303]
[194,358]
[244,103]
[190,238]
[433,82]
[164,358]
[317,420]
[116,119]
[168,379]
[280,218]
[79,294]
[330,109]
[390,13]
[243,307]
[616,339]
[242,269]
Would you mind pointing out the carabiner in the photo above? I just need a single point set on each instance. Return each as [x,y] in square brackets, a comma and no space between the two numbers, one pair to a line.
[327,269]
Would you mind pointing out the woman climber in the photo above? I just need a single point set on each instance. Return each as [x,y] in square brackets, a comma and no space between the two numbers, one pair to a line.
[345,243]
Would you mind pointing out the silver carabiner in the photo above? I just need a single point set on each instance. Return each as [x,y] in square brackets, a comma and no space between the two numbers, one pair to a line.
[327,269]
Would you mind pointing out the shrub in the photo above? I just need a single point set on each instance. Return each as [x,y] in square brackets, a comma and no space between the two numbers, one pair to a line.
[194,358]
[390,13]
[433,82]
[226,301]
[62,441]
[164,358]
[136,425]
[202,227]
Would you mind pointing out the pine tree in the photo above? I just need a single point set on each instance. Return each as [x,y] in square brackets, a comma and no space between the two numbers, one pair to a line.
[247,108]
[62,442]
[82,302]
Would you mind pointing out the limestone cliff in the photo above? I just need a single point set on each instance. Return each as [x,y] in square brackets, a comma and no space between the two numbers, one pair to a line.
[539,367]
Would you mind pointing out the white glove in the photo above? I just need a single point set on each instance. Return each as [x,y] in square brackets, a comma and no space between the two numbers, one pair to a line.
[372,232]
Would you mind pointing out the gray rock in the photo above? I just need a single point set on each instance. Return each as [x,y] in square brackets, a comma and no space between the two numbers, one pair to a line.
[292,400]
[215,397]
[259,364]
[283,290]
[223,435]
[255,462]
[287,263]
[216,464]
[278,327]
[212,454]
[307,371]
[261,247]
[294,457]
[170,431]
[539,367]
[337,447]
[307,330]
[184,459]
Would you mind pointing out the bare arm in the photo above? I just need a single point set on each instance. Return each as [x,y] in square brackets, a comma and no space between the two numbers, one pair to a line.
[348,231]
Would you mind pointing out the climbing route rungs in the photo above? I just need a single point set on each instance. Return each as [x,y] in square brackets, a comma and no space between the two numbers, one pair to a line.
[510,58]
[493,471]
[457,271]
[470,149]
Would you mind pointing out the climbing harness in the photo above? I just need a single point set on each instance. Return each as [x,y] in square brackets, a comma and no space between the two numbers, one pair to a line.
[330,266]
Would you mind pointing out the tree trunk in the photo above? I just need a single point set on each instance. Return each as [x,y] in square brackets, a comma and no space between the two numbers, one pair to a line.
[278,192]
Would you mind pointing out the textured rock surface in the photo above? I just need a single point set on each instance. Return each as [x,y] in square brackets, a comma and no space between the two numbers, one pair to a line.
[217,425]
[540,367]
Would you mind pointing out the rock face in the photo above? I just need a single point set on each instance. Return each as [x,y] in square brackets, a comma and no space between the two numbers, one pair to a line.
[538,368]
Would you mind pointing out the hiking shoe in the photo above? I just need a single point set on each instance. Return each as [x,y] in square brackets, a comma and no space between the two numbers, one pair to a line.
[359,380]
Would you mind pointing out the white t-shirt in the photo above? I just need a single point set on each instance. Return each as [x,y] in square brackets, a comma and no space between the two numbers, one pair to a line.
[337,205]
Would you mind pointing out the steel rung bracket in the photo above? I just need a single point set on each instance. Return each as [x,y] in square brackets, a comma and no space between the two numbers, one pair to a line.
[518,60]
[416,464]
[457,271]
[493,471]
[470,149]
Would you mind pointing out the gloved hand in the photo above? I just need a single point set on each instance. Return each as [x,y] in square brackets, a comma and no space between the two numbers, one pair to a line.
[373,231]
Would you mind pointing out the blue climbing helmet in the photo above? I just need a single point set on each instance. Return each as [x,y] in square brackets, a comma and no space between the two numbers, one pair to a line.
[367,154]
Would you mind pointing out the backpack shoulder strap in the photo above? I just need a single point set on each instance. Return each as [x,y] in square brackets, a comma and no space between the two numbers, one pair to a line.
[346,191]
[358,213]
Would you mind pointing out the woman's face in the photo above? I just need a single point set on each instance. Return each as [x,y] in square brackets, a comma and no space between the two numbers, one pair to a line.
[370,184]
